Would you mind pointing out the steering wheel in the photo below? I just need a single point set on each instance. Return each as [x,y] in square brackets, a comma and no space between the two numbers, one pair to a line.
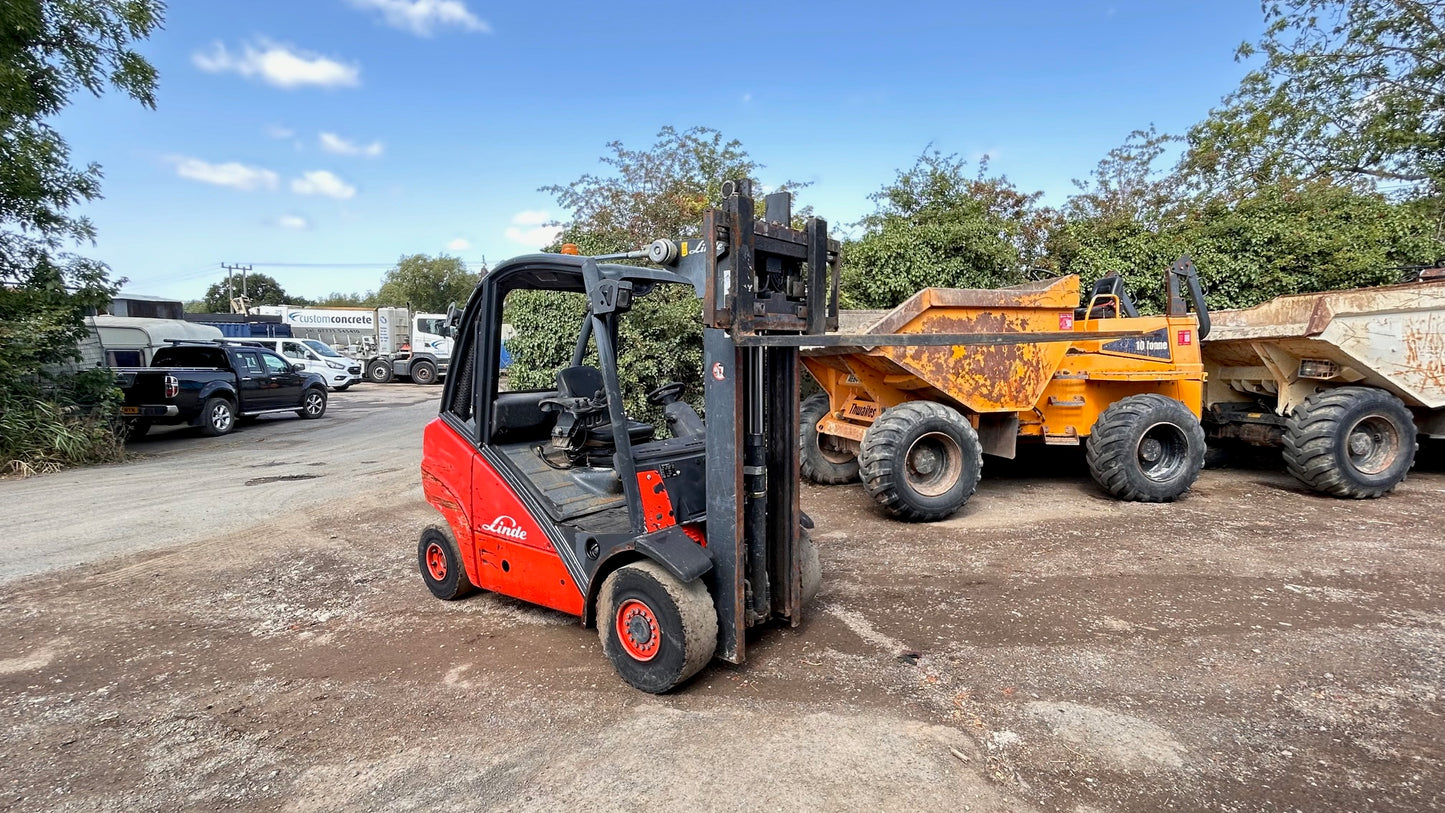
[667,393]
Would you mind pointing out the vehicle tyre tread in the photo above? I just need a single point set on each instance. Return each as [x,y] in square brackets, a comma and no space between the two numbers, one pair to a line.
[1313,450]
[1111,449]
[886,442]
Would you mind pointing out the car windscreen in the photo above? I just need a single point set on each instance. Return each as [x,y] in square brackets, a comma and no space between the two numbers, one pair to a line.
[322,348]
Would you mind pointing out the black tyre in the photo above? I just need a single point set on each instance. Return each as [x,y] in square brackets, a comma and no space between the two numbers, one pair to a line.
[820,459]
[218,416]
[136,428]
[313,403]
[657,631]
[1146,448]
[379,371]
[921,461]
[423,372]
[440,562]
[811,567]
[1352,442]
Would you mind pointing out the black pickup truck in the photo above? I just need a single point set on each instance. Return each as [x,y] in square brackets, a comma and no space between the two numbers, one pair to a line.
[214,385]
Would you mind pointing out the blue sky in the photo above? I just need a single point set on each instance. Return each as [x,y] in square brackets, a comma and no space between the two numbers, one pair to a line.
[322,139]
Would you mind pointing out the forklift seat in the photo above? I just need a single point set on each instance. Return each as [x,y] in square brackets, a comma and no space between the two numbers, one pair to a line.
[586,382]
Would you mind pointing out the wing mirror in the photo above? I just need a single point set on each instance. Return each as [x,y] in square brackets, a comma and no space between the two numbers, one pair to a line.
[298,368]
[454,315]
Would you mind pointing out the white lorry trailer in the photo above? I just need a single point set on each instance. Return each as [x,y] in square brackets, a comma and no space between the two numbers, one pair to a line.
[390,343]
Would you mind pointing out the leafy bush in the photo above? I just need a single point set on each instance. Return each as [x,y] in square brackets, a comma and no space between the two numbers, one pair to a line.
[71,421]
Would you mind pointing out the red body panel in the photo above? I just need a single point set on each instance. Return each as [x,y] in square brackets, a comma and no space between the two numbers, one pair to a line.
[502,545]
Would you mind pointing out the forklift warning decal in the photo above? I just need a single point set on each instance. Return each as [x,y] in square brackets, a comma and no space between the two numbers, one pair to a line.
[505,526]
[1155,345]
[1066,321]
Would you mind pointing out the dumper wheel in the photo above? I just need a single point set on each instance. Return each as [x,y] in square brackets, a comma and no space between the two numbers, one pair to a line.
[1146,448]
[657,631]
[821,460]
[921,460]
[1353,442]
[441,564]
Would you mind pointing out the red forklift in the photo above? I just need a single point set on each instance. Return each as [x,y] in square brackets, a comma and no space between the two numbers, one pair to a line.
[672,548]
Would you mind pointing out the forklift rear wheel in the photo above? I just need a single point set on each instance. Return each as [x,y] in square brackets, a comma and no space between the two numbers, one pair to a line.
[379,371]
[921,460]
[441,564]
[1352,442]
[657,631]
[423,372]
[1146,448]
[820,460]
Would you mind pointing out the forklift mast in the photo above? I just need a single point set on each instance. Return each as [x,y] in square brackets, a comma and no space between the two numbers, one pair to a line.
[760,278]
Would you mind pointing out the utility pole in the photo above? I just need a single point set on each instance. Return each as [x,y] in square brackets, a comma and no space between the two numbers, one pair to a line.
[241,304]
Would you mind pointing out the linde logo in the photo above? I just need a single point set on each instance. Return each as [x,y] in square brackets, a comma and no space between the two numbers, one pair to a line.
[507,527]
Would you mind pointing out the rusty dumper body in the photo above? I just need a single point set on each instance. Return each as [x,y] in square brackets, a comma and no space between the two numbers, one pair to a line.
[1344,381]
[914,421]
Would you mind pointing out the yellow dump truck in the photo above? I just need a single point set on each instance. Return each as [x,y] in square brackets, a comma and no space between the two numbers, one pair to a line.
[915,421]
[1343,381]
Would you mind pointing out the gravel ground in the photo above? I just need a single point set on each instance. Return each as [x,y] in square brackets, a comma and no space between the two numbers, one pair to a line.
[1252,647]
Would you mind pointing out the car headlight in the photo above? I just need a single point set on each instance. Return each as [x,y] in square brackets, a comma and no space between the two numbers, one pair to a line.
[333,365]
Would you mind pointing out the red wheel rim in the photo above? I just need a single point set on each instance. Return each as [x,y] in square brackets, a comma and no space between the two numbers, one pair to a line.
[436,562]
[637,630]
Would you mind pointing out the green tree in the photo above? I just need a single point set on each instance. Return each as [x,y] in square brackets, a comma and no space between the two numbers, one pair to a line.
[261,289]
[935,225]
[341,299]
[1287,237]
[50,50]
[1349,90]
[645,194]
[427,284]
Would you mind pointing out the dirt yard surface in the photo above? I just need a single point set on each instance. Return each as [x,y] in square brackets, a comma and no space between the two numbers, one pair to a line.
[271,646]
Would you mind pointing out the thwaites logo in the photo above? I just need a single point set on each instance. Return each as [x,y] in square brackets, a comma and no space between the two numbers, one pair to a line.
[505,527]
[861,410]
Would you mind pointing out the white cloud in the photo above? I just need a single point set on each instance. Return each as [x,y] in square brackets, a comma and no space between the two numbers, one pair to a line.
[459,244]
[278,132]
[279,65]
[337,145]
[321,182]
[530,217]
[232,174]
[530,229]
[293,222]
[424,17]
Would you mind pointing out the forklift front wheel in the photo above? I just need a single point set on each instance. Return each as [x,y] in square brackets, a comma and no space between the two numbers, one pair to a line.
[657,631]
[441,564]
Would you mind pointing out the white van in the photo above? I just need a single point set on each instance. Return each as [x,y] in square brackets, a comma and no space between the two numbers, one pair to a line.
[338,371]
